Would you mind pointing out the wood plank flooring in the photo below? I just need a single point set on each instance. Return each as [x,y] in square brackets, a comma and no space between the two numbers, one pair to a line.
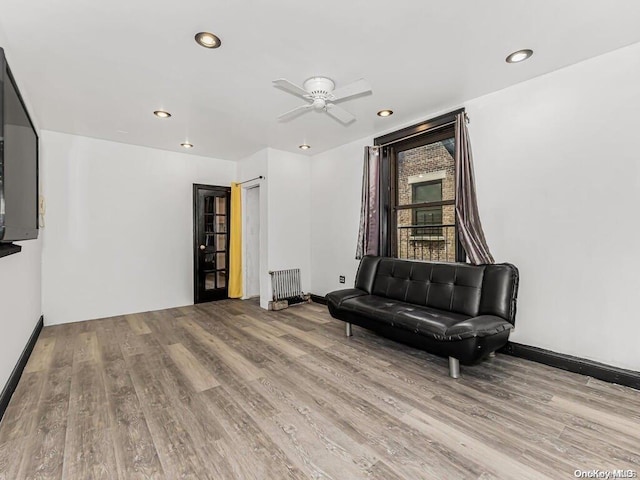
[229,391]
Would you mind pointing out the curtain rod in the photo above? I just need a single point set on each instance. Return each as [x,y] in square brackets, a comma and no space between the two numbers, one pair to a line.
[466,117]
[252,179]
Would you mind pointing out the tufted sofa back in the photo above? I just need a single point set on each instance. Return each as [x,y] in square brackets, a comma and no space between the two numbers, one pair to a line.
[456,287]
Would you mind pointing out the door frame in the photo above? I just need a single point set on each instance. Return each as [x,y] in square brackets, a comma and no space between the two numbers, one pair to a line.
[196,243]
[245,188]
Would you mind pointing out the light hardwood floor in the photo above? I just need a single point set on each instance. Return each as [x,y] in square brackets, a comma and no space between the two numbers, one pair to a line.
[228,391]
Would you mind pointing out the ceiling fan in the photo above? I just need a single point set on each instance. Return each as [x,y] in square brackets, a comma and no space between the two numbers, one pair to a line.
[320,91]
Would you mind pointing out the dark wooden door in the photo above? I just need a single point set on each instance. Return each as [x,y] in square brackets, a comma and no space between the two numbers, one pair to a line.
[211,210]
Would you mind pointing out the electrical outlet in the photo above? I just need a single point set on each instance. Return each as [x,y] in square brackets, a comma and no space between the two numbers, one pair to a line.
[342,279]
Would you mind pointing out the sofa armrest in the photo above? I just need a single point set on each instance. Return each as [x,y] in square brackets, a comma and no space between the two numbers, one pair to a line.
[481,326]
[336,297]
[366,276]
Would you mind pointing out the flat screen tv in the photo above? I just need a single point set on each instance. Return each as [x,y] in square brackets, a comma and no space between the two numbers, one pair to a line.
[18,163]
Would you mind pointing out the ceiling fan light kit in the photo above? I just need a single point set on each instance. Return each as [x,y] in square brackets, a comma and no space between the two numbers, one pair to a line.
[321,93]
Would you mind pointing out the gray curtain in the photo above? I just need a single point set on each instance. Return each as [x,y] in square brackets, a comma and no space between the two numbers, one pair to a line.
[369,232]
[469,225]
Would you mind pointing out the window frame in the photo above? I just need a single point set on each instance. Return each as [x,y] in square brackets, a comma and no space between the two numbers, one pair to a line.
[420,134]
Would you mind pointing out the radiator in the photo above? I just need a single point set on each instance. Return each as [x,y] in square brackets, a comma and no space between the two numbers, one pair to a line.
[286,285]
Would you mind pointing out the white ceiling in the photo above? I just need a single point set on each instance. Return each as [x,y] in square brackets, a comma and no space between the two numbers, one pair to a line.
[95,68]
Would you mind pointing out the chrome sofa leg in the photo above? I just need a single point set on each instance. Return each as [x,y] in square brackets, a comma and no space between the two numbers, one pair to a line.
[454,367]
[348,329]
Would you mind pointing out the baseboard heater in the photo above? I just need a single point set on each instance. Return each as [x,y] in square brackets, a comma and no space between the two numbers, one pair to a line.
[286,288]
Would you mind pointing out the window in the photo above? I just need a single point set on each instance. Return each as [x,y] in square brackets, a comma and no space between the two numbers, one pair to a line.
[418,192]
[427,192]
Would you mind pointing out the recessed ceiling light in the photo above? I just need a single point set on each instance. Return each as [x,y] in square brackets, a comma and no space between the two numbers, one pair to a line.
[162,114]
[519,56]
[208,40]
[385,113]
[304,146]
[186,145]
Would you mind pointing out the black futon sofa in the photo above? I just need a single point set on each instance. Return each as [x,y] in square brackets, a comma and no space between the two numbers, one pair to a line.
[462,311]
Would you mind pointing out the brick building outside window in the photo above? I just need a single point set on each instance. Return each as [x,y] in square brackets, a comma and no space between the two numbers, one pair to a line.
[425,175]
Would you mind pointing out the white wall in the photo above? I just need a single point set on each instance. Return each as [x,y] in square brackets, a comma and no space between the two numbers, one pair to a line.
[289,176]
[559,187]
[285,223]
[119,228]
[558,182]
[20,283]
[336,190]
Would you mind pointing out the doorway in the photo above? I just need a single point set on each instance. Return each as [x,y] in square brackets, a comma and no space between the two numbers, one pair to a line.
[251,245]
[211,212]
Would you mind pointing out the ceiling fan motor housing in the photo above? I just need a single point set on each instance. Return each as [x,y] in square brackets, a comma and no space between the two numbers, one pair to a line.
[319,88]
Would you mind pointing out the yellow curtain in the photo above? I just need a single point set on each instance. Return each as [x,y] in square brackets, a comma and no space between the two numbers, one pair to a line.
[235,243]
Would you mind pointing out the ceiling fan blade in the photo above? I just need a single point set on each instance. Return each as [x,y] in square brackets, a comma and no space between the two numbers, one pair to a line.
[287,86]
[339,113]
[356,88]
[295,112]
